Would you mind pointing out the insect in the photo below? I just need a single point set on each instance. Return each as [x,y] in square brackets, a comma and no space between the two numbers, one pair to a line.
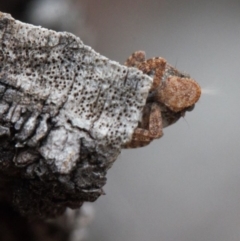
[171,95]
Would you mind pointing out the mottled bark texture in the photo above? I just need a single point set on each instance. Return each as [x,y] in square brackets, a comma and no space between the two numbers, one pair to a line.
[65,113]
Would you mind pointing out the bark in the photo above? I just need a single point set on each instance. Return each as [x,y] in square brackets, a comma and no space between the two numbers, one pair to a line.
[65,113]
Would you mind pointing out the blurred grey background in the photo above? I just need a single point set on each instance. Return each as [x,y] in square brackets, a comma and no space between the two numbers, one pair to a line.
[186,185]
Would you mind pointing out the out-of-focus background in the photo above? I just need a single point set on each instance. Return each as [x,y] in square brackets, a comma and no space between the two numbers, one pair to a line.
[185,186]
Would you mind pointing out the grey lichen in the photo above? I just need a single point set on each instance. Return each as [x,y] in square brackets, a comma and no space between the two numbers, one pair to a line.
[65,113]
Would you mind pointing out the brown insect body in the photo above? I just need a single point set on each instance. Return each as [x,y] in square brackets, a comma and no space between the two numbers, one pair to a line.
[171,95]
